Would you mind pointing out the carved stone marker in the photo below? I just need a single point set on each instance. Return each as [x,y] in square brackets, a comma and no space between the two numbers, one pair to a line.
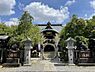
[27,51]
[70,46]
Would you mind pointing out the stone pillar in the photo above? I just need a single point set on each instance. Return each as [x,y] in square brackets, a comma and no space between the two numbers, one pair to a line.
[1,59]
[70,46]
[27,51]
[39,49]
[1,55]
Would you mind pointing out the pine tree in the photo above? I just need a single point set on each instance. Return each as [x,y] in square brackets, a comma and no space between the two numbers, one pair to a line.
[25,23]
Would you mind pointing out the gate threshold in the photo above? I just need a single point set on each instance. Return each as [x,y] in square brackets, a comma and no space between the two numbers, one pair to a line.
[86,64]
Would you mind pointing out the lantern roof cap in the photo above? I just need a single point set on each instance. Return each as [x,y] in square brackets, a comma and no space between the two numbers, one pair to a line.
[27,40]
[70,39]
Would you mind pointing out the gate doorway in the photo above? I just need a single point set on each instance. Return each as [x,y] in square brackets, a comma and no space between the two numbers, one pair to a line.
[49,51]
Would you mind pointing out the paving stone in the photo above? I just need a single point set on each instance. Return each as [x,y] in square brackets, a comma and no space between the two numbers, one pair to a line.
[45,65]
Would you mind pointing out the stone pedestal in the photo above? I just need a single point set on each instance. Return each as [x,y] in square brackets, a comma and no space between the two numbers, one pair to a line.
[27,52]
[1,55]
[27,57]
[70,46]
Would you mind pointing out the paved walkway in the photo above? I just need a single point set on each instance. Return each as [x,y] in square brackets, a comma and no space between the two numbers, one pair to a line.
[75,68]
[36,65]
[43,65]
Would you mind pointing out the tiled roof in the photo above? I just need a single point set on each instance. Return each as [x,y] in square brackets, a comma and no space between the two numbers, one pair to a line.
[57,27]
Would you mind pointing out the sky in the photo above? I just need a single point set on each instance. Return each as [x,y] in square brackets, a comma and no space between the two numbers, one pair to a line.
[55,11]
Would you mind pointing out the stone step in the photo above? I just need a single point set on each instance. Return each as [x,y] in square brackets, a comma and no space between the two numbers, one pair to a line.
[11,64]
[86,64]
[60,64]
[27,65]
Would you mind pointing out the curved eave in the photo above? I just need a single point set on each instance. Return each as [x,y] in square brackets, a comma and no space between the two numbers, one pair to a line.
[49,30]
[3,37]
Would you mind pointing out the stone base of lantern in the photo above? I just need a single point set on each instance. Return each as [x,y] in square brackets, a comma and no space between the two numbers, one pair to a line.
[12,62]
[27,64]
[11,65]
[71,64]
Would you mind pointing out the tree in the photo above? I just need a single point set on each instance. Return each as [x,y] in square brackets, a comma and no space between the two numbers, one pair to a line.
[25,23]
[90,27]
[8,30]
[75,29]
[2,28]
[27,29]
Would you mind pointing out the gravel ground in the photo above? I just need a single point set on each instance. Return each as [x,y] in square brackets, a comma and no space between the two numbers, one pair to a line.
[76,68]
[43,65]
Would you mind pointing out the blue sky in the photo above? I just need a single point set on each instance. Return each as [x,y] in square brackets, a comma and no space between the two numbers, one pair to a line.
[55,11]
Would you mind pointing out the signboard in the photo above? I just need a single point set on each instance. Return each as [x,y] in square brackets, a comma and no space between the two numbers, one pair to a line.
[85,54]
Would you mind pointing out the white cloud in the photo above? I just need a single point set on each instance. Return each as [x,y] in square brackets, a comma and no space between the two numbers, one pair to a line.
[12,21]
[92,3]
[70,2]
[6,7]
[91,16]
[0,20]
[20,6]
[86,17]
[44,13]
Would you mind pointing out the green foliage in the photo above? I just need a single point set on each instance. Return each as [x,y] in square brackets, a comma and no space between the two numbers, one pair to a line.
[76,27]
[6,29]
[26,29]
[25,23]
[2,28]
[83,40]
[23,30]
[89,30]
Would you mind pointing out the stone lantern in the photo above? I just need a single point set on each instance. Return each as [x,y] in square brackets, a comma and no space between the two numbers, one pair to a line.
[70,46]
[27,51]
